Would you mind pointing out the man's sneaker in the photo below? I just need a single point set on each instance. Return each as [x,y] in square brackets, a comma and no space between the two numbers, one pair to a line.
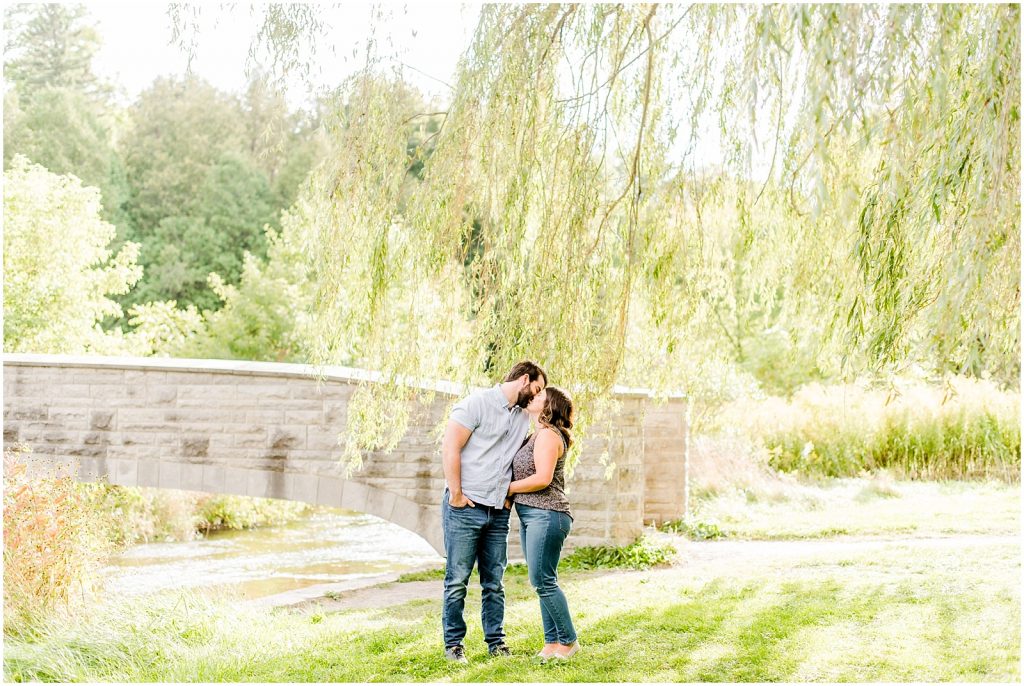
[455,654]
[499,650]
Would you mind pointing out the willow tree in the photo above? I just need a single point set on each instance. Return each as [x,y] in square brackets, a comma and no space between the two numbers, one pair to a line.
[871,153]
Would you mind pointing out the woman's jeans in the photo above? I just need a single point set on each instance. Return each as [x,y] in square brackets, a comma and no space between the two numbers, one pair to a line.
[542,533]
[474,535]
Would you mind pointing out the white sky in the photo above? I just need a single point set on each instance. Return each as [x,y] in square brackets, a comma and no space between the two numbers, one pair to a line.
[136,43]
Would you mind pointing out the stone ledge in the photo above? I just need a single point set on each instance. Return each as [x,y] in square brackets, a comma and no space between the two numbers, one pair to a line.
[248,368]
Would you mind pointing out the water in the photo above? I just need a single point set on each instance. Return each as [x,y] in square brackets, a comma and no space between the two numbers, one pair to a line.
[326,546]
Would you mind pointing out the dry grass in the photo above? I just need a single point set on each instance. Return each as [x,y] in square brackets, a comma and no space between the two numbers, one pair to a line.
[52,544]
[736,494]
[723,464]
[876,506]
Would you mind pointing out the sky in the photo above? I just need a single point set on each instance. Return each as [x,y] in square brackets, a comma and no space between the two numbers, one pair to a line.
[137,44]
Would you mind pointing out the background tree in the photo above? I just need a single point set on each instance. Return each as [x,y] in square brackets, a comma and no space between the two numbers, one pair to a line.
[285,144]
[51,45]
[67,133]
[208,171]
[161,328]
[197,201]
[266,316]
[55,299]
[56,111]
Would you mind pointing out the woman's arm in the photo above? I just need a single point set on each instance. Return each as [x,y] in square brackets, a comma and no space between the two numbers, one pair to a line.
[546,452]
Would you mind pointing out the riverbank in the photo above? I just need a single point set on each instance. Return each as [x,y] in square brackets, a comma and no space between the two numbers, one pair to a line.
[324,551]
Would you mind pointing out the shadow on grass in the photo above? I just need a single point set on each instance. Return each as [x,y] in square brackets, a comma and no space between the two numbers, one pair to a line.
[763,649]
[639,645]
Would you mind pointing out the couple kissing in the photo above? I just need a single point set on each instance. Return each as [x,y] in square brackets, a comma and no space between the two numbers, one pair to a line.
[490,466]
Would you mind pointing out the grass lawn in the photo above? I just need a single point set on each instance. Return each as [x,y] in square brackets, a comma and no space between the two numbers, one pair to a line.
[895,612]
[863,507]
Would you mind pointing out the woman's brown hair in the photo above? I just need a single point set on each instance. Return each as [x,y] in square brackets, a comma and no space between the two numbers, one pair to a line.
[559,413]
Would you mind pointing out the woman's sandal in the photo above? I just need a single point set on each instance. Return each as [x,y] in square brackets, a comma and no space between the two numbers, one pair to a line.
[572,651]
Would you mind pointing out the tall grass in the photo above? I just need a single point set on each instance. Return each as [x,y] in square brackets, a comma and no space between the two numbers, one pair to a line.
[969,429]
[53,543]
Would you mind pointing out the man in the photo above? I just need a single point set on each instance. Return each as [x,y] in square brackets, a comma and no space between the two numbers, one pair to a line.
[484,432]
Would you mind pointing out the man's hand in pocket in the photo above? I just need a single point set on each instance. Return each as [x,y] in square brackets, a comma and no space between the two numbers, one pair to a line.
[459,500]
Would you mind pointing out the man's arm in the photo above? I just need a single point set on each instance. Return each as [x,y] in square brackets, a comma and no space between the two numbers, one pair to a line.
[455,437]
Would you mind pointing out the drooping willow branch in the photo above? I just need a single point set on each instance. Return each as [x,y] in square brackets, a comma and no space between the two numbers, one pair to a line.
[557,217]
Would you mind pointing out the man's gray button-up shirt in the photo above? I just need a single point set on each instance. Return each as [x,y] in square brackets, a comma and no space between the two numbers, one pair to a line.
[498,432]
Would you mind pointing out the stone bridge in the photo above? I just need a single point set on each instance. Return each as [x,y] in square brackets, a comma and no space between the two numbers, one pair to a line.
[272,430]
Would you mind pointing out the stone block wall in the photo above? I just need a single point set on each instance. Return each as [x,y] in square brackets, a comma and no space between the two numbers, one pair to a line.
[666,464]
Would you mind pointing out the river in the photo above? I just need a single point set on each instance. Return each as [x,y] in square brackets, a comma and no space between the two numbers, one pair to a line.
[325,547]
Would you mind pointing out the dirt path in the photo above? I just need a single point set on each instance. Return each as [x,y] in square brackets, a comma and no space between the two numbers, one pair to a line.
[698,559]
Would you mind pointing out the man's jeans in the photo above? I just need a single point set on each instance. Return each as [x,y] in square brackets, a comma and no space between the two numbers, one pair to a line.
[474,535]
[542,533]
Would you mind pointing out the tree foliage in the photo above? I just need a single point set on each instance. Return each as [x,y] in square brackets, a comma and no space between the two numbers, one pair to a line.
[266,315]
[66,132]
[199,199]
[55,299]
[56,111]
[189,174]
[161,328]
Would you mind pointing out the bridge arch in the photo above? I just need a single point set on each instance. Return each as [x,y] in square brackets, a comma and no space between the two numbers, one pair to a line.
[313,489]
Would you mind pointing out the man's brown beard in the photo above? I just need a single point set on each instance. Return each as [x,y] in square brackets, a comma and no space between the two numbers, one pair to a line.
[524,399]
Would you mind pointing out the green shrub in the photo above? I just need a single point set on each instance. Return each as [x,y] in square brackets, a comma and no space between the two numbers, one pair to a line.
[641,554]
[694,530]
[141,515]
[241,512]
[517,569]
[422,575]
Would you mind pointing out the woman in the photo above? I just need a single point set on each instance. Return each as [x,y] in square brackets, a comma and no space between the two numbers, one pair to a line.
[538,490]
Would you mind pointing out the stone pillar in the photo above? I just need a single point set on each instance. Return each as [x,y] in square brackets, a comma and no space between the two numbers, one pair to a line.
[666,452]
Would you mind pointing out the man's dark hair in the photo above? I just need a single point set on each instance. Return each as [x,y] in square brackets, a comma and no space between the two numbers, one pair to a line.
[527,367]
